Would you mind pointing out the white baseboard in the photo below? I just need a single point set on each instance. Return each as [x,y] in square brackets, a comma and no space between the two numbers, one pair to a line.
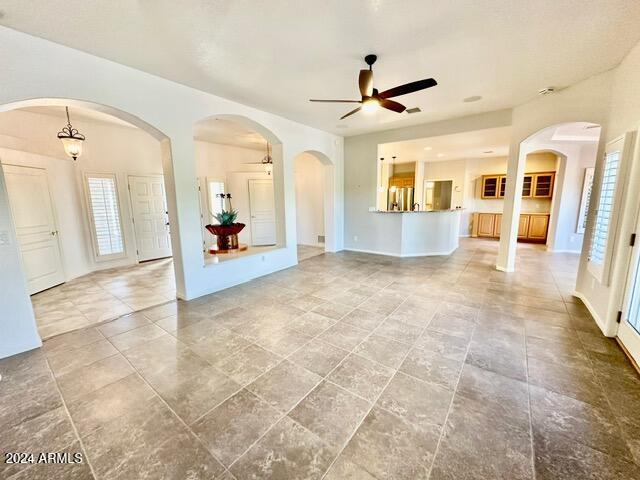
[592,311]
[401,255]
[564,251]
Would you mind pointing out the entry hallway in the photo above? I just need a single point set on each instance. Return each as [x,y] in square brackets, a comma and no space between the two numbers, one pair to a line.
[349,366]
[103,295]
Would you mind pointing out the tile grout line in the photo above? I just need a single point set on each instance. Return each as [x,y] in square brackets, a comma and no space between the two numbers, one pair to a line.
[193,434]
[382,390]
[453,396]
[352,351]
[73,425]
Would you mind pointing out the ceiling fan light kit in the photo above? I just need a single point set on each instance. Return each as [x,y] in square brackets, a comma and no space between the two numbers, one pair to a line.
[371,100]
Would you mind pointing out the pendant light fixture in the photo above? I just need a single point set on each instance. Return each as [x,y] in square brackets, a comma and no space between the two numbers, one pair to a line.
[267,160]
[71,139]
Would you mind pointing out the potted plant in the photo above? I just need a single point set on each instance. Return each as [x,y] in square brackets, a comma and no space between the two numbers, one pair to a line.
[227,231]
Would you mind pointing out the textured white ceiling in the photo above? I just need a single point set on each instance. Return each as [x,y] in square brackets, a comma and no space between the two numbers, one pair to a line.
[277,54]
[472,144]
[228,132]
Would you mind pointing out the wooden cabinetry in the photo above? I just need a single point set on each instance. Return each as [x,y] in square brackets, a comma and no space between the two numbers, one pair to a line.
[536,185]
[538,226]
[532,227]
[485,224]
[523,226]
[543,185]
[401,182]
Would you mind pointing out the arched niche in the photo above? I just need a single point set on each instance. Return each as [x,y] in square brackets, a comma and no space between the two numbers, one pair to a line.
[202,133]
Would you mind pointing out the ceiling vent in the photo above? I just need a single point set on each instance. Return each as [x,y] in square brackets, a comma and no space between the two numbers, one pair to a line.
[414,110]
[546,91]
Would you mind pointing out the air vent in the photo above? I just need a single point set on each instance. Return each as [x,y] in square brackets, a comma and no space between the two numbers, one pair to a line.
[414,110]
[320,238]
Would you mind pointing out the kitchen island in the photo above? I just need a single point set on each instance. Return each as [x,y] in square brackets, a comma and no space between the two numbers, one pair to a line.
[419,233]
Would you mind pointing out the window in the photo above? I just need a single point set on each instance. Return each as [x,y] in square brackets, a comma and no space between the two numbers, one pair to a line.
[604,229]
[216,203]
[102,197]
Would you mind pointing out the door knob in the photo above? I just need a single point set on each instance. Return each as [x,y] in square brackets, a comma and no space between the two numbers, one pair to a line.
[54,233]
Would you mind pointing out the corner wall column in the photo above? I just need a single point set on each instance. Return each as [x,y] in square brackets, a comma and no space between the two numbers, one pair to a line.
[511,211]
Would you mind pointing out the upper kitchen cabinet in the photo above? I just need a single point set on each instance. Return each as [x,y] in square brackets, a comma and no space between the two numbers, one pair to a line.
[490,186]
[535,185]
[543,185]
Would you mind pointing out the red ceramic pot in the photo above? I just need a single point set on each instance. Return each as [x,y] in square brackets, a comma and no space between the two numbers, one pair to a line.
[226,235]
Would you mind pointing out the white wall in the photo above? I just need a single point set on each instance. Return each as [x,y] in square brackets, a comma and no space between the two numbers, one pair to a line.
[623,115]
[17,322]
[109,148]
[309,174]
[42,69]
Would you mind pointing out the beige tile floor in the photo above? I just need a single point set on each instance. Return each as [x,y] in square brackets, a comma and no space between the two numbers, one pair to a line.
[307,251]
[103,295]
[348,366]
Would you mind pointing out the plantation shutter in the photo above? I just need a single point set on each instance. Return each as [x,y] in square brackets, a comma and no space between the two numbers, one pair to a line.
[105,214]
[604,213]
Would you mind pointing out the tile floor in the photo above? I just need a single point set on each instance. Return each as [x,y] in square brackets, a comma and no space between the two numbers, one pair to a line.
[348,366]
[307,251]
[103,295]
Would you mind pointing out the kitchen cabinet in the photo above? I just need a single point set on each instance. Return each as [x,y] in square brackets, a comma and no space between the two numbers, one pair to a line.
[543,185]
[485,224]
[401,182]
[532,227]
[490,186]
[523,226]
[534,185]
[538,226]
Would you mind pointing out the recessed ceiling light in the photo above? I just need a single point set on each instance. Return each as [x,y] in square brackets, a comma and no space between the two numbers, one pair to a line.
[440,155]
[473,98]
[428,148]
[546,90]
[413,110]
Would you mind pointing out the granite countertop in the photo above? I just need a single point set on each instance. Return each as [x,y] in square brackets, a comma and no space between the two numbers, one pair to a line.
[419,211]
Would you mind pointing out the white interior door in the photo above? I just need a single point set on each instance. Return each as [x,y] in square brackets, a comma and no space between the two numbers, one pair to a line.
[629,328]
[150,218]
[36,229]
[263,212]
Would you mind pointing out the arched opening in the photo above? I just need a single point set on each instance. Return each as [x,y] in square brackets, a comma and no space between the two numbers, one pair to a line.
[93,234]
[559,207]
[242,160]
[313,173]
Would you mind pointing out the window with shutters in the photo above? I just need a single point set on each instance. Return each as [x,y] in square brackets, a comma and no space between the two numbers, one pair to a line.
[104,212]
[604,229]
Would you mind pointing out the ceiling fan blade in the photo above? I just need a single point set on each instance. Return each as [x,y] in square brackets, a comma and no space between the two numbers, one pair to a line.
[365,81]
[409,88]
[350,113]
[335,101]
[391,105]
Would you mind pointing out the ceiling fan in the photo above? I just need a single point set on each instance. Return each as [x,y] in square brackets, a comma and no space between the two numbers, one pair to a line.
[372,99]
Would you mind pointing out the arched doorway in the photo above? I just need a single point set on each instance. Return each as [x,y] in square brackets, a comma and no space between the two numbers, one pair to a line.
[100,229]
[238,156]
[575,147]
[315,232]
